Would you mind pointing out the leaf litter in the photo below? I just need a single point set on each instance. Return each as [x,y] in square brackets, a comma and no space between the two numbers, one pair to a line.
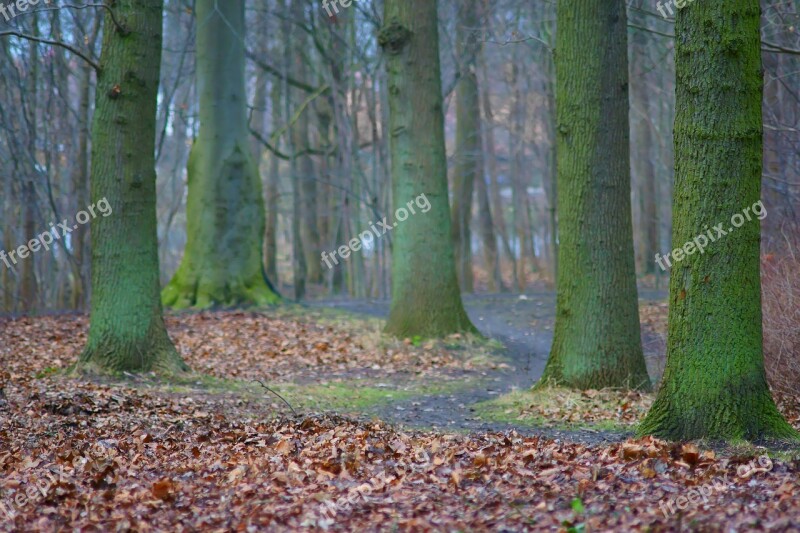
[87,455]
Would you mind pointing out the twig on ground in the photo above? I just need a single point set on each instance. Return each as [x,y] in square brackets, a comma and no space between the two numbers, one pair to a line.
[276,394]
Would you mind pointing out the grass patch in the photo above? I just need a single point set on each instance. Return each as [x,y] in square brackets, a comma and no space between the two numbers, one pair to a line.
[362,396]
[554,407]
[49,371]
[347,397]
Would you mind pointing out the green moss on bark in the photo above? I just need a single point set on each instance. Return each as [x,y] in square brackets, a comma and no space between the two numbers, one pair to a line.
[222,263]
[714,384]
[597,339]
[127,331]
[425,296]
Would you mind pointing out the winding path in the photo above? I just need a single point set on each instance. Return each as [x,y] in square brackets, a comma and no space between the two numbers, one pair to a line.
[524,324]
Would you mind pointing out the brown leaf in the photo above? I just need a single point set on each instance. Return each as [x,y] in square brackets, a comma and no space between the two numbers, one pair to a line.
[163,489]
[690,453]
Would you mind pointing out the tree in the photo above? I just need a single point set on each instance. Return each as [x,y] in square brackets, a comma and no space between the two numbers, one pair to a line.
[223,260]
[127,331]
[596,338]
[644,156]
[305,178]
[425,296]
[469,147]
[714,384]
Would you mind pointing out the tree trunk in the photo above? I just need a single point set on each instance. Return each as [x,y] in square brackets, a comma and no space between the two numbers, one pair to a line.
[469,149]
[222,264]
[494,185]
[596,338]
[647,198]
[127,330]
[644,171]
[518,172]
[273,180]
[260,117]
[8,288]
[80,186]
[28,285]
[294,143]
[549,88]
[714,384]
[306,176]
[488,238]
[425,296]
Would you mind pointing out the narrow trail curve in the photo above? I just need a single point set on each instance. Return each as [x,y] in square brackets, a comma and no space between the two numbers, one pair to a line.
[524,324]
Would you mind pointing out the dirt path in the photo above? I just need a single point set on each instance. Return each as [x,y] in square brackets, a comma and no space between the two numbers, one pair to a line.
[524,324]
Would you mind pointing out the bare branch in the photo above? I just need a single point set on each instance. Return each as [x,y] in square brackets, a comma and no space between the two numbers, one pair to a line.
[122,29]
[66,46]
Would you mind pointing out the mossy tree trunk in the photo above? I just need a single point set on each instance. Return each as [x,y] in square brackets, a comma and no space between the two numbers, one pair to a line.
[127,330]
[222,263]
[714,384]
[425,296]
[597,337]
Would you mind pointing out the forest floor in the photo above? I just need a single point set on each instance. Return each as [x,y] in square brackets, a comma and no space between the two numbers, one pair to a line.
[376,434]
[524,328]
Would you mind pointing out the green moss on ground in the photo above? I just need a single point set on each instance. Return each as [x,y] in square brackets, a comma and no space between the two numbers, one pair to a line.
[357,396]
[350,397]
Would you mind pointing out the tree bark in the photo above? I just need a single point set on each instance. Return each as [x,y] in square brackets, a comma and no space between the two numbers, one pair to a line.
[425,298]
[597,337]
[127,330]
[488,238]
[644,172]
[28,285]
[519,183]
[6,286]
[714,384]
[80,186]
[496,199]
[306,175]
[260,117]
[222,264]
[469,148]
[273,181]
